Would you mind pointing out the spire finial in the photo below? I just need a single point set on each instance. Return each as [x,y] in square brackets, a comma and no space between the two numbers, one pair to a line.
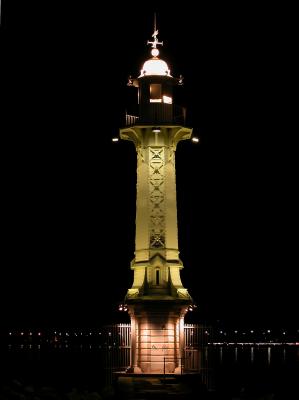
[155,42]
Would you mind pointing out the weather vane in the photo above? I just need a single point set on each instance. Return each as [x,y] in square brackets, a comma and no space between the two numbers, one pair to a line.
[155,42]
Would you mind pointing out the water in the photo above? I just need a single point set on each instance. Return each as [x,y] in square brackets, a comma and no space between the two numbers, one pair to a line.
[234,371]
[255,370]
[62,367]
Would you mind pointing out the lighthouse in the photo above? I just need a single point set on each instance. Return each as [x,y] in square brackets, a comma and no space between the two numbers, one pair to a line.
[157,302]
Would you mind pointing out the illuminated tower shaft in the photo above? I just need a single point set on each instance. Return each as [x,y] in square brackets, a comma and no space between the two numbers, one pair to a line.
[156,265]
[157,301]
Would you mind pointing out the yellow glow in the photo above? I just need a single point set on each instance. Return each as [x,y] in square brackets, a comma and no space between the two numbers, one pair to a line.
[195,140]
[155,66]
[167,99]
[155,100]
[115,139]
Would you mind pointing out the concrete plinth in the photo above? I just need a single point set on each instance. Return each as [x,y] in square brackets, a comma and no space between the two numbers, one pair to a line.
[157,338]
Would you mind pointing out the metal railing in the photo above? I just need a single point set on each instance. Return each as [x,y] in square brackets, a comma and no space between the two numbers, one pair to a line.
[131,120]
[158,114]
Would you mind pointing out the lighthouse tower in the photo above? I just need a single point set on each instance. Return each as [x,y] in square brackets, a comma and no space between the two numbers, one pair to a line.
[157,301]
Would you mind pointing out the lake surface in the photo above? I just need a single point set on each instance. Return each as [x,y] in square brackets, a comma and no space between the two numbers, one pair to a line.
[230,370]
[255,369]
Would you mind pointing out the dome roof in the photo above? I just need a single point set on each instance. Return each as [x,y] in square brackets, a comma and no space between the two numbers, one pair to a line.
[155,66]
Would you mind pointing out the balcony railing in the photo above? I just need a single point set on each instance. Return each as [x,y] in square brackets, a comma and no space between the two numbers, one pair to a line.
[158,114]
[131,120]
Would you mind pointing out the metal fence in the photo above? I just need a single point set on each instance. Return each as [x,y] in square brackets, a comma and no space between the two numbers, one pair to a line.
[196,357]
[116,345]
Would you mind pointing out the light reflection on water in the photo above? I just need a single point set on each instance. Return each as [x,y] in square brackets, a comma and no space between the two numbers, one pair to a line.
[284,354]
[229,366]
[255,354]
[263,369]
[239,353]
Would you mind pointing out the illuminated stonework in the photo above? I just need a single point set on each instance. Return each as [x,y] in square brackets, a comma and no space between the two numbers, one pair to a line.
[156,198]
[156,264]
[157,301]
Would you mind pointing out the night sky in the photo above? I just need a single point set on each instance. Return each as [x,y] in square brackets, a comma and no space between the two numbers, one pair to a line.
[68,192]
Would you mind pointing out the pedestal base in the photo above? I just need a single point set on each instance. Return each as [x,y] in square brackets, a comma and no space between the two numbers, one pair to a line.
[157,338]
[133,370]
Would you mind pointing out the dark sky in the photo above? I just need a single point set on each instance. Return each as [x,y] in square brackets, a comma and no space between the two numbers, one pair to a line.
[68,193]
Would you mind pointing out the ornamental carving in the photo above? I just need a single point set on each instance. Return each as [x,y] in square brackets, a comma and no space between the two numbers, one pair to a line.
[156,197]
